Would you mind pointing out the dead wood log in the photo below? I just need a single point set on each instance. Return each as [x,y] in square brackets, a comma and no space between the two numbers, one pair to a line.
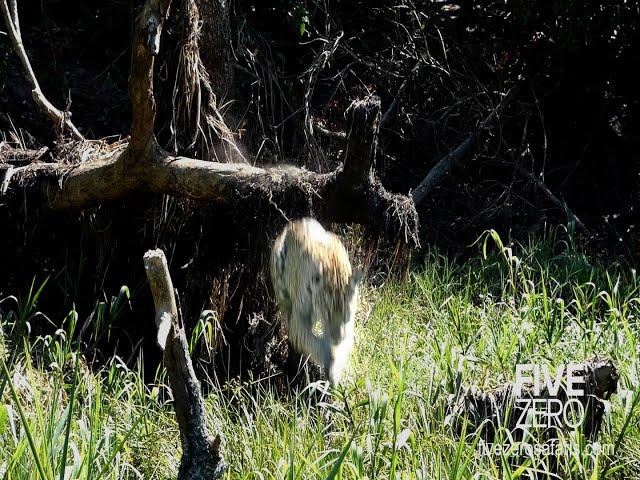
[346,195]
[60,119]
[20,156]
[201,457]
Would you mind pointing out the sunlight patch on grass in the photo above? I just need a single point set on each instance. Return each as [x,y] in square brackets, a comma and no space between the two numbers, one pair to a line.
[452,324]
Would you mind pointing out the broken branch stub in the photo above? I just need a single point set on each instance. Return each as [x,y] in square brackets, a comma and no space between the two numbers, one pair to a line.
[355,194]
[363,120]
[146,45]
[201,457]
[155,264]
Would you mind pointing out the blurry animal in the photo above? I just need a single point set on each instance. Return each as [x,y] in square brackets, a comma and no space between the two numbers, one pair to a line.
[317,292]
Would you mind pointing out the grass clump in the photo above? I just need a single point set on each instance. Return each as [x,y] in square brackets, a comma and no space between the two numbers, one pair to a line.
[454,323]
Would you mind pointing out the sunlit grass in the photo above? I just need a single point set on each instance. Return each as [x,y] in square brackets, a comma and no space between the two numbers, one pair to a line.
[452,324]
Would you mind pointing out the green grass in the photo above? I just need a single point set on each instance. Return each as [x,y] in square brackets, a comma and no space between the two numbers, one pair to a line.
[453,323]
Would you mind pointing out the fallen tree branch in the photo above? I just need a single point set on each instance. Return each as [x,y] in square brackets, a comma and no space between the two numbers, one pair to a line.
[108,178]
[350,194]
[537,181]
[201,457]
[59,118]
[336,135]
[447,162]
[20,156]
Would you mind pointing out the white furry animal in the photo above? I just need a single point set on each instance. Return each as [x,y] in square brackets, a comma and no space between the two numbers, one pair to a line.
[316,289]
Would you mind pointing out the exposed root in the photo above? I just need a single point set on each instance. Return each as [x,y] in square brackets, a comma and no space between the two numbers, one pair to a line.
[401,216]
[21,156]
[197,124]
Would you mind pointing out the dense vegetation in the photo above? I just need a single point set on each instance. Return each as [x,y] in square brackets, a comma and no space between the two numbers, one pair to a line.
[455,321]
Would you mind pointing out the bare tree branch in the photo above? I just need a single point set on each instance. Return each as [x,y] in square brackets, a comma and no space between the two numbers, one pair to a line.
[59,118]
[13,4]
[319,63]
[446,163]
[201,457]
[386,117]
[537,181]
[317,127]
[391,110]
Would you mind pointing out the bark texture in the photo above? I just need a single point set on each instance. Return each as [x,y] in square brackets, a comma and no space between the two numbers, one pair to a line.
[200,452]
